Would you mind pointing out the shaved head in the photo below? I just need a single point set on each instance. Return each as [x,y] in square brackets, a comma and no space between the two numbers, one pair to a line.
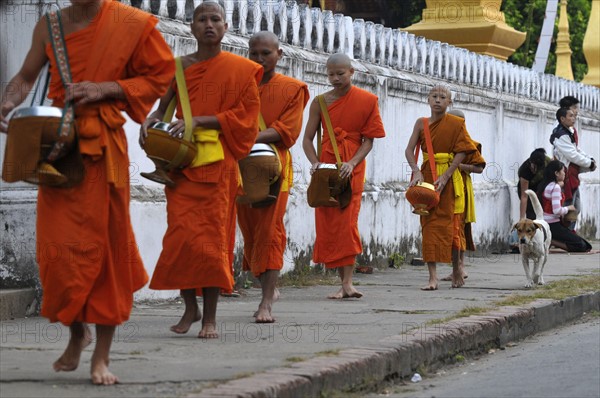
[456,112]
[441,88]
[265,37]
[210,5]
[339,59]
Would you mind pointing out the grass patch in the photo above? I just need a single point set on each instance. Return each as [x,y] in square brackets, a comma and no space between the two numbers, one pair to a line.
[465,312]
[328,353]
[243,375]
[295,359]
[305,275]
[558,290]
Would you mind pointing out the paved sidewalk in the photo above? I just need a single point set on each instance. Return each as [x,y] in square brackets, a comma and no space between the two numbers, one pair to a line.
[151,361]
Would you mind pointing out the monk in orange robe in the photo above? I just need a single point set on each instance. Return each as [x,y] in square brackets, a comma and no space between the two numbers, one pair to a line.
[451,143]
[473,163]
[282,101]
[356,122]
[88,258]
[197,253]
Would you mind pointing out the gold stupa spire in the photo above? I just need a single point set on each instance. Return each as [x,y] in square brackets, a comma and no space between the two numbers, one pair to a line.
[563,50]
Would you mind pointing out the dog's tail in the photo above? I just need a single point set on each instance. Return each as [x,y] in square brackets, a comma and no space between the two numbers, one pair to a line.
[537,207]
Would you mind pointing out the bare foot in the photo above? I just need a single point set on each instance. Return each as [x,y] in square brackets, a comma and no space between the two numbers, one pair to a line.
[209,331]
[351,292]
[186,322]
[449,277]
[430,286]
[276,296]
[69,360]
[100,373]
[457,279]
[338,295]
[263,315]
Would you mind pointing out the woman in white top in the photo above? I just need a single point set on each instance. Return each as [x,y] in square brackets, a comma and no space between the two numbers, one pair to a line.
[552,198]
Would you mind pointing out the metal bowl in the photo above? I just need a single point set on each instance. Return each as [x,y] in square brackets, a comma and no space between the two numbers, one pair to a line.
[162,126]
[46,111]
[327,166]
[262,150]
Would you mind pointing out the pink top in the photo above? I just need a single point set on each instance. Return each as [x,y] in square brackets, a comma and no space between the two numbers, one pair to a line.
[553,194]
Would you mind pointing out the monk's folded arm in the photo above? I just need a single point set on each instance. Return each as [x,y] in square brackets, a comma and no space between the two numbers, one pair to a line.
[242,117]
[458,158]
[152,67]
[268,136]
[208,122]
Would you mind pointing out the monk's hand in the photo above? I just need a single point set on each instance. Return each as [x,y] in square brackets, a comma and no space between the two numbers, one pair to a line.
[86,92]
[314,167]
[346,170]
[5,109]
[177,128]
[144,129]
[441,182]
[417,178]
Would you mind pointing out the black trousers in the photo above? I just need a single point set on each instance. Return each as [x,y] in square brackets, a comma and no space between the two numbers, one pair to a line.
[574,242]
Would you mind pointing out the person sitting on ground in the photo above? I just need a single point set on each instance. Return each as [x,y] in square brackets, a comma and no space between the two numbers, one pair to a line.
[552,198]
[530,173]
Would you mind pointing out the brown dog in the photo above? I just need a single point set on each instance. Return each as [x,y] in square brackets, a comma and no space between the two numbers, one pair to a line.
[534,242]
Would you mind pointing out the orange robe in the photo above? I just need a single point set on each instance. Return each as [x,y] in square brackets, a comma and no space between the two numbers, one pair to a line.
[466,234]
[198,245]
[86,250]
[448,135]
[282,102]
[354,116]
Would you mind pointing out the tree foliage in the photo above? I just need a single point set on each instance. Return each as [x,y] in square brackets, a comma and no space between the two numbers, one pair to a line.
[523,15]
[528,16]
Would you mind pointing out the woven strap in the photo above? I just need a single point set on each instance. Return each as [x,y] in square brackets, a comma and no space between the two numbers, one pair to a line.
[184,100]
[429,146]
[62,62]
[325,114]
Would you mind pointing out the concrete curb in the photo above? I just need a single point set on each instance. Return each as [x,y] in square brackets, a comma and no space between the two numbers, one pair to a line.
[400,355]
[17,303]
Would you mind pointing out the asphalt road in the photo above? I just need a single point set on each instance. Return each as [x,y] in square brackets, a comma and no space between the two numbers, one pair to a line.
[563,362]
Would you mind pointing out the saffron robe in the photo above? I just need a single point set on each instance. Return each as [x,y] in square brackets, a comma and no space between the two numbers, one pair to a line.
[354,116]
[198,245]
[86,250]
[448,136]
[282,102]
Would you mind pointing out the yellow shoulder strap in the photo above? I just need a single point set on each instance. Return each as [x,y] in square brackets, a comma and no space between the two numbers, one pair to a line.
[330,130]
[185,107]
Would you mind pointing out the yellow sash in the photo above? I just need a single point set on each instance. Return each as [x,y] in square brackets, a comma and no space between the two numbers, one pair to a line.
[470,200]
[210,149]
[442,163]
[207,141]
[288,178]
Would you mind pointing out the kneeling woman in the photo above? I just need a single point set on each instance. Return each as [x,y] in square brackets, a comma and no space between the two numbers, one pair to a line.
[552,198]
